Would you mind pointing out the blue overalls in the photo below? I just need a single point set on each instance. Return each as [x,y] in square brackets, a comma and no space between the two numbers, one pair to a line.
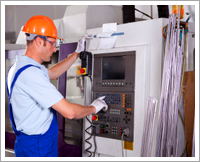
[45,145]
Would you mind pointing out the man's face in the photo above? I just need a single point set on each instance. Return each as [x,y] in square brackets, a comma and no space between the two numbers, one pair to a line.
[48,49]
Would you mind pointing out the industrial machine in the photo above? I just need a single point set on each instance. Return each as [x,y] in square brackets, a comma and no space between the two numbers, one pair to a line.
[126,75]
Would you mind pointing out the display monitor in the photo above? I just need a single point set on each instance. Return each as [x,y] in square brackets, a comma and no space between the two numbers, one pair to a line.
[113,68]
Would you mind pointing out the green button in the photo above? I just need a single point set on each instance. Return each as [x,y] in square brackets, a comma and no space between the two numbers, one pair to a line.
[102,125]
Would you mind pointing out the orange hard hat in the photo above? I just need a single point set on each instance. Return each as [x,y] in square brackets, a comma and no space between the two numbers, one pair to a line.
[41,25]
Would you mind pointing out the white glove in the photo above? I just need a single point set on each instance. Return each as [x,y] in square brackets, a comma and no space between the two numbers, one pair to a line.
[99,104]
[81,43]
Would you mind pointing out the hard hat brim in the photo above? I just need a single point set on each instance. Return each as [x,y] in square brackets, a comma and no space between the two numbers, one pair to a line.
[59,38]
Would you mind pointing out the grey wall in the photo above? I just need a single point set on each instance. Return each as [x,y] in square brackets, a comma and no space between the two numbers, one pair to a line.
[17,15]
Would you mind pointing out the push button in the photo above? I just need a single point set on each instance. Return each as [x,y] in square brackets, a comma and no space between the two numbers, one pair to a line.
[95,117]
[82,71]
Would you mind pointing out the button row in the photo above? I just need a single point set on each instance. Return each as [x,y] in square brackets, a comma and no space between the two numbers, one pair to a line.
[114,128]
[113,84]
[114,133]
[114,111]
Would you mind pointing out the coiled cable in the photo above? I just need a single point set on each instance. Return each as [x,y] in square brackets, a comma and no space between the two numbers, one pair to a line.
[90,136]
[95,146]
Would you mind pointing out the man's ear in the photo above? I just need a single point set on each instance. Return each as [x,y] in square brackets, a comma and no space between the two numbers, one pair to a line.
[38,42]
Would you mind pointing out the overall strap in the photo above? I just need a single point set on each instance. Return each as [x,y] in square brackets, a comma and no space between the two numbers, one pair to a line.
[9,94]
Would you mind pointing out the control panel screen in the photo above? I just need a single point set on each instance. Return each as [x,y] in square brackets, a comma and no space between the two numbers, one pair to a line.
[113,68]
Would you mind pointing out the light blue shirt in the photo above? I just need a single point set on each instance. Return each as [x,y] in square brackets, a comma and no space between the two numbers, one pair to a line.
[32,97]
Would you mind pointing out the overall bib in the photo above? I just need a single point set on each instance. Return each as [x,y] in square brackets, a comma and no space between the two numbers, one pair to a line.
[42,145]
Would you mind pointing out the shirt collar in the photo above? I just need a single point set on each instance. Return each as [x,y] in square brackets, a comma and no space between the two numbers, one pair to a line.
[27,59]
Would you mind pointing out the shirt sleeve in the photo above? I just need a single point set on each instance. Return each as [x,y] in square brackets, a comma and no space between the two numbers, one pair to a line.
[38,86]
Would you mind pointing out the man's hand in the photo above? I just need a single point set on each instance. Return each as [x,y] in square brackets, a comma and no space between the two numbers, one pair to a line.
[81,43]
[99,104]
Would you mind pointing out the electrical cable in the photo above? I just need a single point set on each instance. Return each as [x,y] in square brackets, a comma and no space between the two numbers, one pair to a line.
[86,130]
[143,13]
[164,29]
[122,145]
[182,76]
[87,140]
[95,145]
[179,113]
[91,126]
[182,121]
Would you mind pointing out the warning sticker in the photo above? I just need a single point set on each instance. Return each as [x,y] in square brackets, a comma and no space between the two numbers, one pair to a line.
[128,145]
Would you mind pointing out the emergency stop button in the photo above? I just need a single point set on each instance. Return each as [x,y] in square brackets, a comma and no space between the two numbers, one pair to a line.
[83,70]
[95,117]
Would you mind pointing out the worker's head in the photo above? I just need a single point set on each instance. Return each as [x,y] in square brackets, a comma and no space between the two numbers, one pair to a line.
[40,29]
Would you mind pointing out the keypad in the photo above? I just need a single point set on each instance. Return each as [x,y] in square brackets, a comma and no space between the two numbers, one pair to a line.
[128,100]
[110,98]
[114,130]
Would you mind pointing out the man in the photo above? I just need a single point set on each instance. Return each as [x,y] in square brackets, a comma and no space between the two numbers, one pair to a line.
[33,100]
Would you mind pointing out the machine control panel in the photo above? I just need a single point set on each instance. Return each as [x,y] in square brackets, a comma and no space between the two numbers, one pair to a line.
[114,78]
[119,116]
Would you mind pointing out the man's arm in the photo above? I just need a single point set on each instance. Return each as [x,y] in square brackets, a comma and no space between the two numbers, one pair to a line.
[73,111]
[76,111]
[61,67]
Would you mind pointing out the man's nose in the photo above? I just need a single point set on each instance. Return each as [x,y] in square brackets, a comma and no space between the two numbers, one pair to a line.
[54,48]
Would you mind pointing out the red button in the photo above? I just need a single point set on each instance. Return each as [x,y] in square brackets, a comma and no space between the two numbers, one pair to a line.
[102,130]
[120,133]
[82,71]
[120,128]
[94,117]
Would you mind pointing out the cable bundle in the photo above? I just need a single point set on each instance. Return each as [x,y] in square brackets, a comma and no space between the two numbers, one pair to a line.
[167,141]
